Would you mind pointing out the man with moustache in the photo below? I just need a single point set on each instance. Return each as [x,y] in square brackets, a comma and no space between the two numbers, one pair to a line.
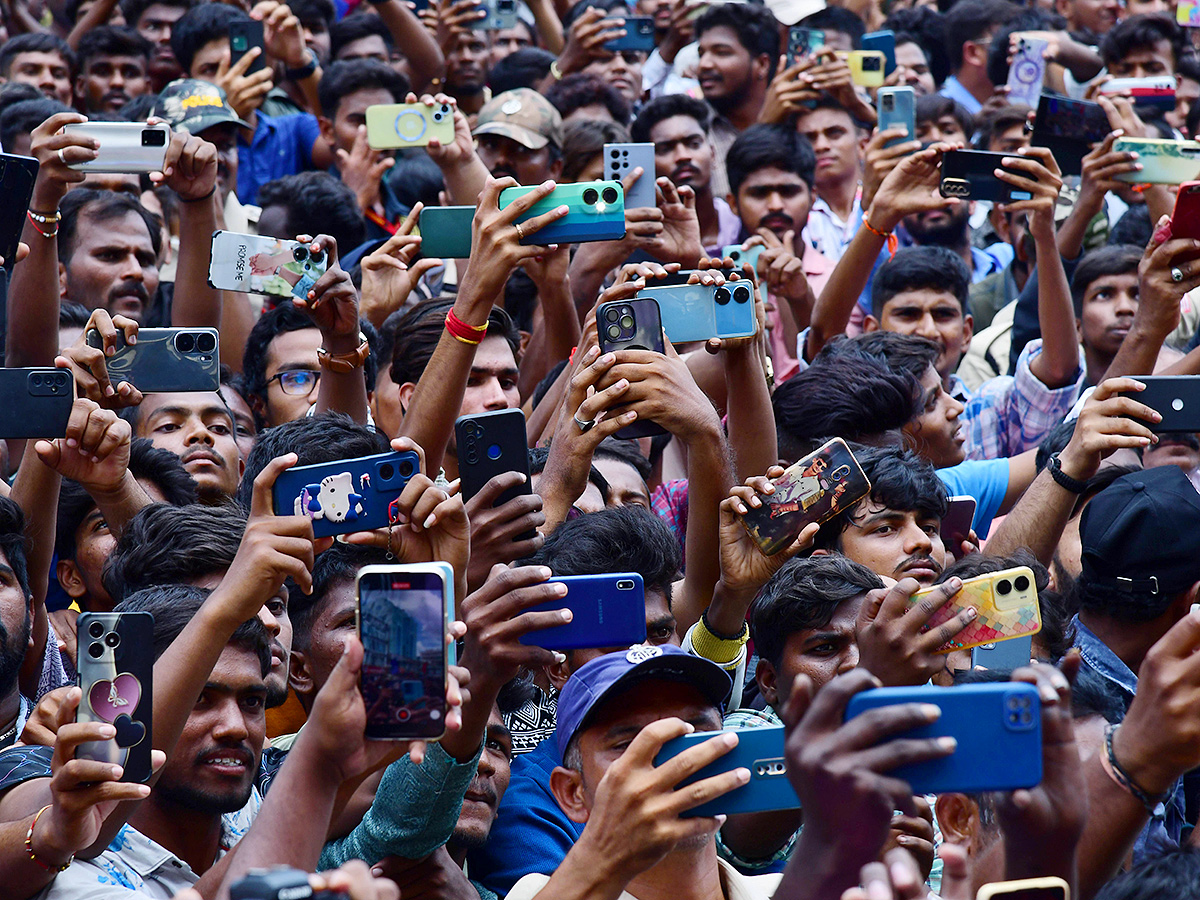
[154,20]
[112,69]
[519,135]
[949,228]
[466,71]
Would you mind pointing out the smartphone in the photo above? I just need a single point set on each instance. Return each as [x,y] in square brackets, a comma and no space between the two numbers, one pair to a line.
[639,35]
[620,160]
[631,325]
[967,174]
[866,67]
[37,402]
[1050,887]
[596,212]
[124,146]
[743,255]
[802,42]
[998,728]
[697,312]
[402,625]
[758,749]
[1174,397]
[501,14]
[116,675]
[346,495]
[1163,162]
[885,42]
[392,126]
[17,175]
[609,611]
[244,35]
[446,231]
[1187,13]
[818,487]
[490,444]
[1003,655]
[896,109]
[1185,219]
[165,360]
[1027,71]
[1154,90]
[956,523]
[264,265]
[1069,128]
[1006,601]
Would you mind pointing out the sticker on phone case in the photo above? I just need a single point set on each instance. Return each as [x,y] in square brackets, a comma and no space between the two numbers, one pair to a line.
[286,270]
[113,701]
[334,499]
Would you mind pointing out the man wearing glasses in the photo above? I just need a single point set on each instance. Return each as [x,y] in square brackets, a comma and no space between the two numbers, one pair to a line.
[970,26]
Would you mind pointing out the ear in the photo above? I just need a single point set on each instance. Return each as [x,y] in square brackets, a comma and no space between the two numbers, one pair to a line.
[70,579]
[62,280]
[567,788]
[300,678]
[761,67]
[406,392]
[870,323]
[556,169]
[974,54]
[768,681]
[558,673]
[733,204]
[958,817]
[326,127]
[968,332]
[79,91]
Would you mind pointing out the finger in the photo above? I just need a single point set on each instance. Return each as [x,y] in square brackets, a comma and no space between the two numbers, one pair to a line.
[261,502]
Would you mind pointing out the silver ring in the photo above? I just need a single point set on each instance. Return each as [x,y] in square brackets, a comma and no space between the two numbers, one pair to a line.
[1176,274]
[62,158]
[584,427]
[520,234]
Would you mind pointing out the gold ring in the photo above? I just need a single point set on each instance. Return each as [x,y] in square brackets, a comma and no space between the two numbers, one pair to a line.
[520,232]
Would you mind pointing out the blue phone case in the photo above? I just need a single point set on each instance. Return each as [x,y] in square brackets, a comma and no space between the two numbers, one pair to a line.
[697,312]
[597,212]
[897,109]
[610,611]
[742,256]
[998,728]
[885,43]
[761,751]
[639,35]
[346,495]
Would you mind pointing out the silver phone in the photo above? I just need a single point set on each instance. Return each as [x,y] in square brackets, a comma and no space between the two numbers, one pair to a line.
[124,146]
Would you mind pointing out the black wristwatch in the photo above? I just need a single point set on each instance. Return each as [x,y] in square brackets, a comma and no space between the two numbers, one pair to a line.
[1065,481]
[303,71]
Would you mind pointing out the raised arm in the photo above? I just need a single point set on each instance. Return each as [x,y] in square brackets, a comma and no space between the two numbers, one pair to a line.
[423,59]
[190,170]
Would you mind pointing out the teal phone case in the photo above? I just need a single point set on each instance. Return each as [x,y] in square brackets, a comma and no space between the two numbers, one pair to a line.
[446,231]
[597,212]
[697,312]
[742,256]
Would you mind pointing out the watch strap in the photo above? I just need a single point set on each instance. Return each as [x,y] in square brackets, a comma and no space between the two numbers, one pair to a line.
[342,363]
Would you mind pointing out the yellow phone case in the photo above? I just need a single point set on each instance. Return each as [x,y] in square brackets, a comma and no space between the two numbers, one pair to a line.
[1007,604]
[866,67]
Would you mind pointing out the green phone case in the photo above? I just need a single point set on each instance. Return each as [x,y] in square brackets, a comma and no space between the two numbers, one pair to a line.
[392,126]
[446,231]
[597,212]
[1163,162]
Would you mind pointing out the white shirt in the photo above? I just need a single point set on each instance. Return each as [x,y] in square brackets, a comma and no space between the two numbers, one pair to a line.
[734,885]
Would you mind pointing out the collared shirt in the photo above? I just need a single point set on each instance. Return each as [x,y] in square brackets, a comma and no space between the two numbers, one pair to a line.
[734,885]
[954,89]
[990,260]
[829,234]
[729,227]
[279,147]
[1164,831]
[721,134]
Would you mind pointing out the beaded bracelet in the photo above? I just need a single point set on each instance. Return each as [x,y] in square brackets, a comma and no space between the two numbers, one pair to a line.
[46,234]
[33,856]
[55,216]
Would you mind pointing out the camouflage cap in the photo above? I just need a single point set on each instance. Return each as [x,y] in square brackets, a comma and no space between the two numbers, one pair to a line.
[193,105]
[523,115]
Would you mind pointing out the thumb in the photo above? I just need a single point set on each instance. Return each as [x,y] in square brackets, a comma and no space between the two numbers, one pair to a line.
[49,452]
[343,157]
[344,676]
[223,67]
[956,872]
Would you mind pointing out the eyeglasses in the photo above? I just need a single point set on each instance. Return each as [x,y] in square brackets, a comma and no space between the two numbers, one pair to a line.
[298,383]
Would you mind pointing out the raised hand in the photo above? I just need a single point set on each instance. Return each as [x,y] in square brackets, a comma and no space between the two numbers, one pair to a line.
[494,529]
[362,168]
[56,151]
[1109,421]
[95,449]
[332,303]
[88,364]
[244,93]
[744,567]
[911,187]
[679,240]
[389,274]
[586,38]
[190,166]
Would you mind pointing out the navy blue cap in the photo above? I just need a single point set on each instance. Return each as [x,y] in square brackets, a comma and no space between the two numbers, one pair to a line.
[614,672]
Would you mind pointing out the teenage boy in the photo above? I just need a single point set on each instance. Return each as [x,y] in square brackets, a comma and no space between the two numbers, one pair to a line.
[1144,46]
[154,20]
[112,69]
[838,142]
[42,60]
[1104,289]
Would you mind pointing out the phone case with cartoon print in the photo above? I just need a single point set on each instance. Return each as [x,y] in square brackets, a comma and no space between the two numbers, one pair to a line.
[1007,603]
[116,674]
[259,264]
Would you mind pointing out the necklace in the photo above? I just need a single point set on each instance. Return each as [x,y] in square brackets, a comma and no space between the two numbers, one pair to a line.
[8,736]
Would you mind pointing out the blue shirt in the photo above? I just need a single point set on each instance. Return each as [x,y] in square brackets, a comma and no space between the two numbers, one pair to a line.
[953,88]
[280,146]
[984,479]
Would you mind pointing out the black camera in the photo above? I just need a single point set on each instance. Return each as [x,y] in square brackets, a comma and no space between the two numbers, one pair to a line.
[279,883]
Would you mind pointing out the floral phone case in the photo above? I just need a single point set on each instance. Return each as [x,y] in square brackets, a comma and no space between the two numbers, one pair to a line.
[1007,604]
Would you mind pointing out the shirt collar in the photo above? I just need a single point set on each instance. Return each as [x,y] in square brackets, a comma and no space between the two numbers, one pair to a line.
[1102,660]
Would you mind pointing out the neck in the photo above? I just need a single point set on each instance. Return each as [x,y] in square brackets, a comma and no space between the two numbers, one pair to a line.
[681,875]
[744,112]
[457,852]
[10,708]
[1129,643]
[975,80]
[1097,365]
[840,195]
[470,104]
[194,837]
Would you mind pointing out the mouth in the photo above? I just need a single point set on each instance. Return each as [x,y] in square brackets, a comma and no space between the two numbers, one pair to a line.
[127,304]
[203,458]
[708,80]
[683,173]
[824,162]
[923,570]
[230,763]
[776,223]
[119,98]
[483,797]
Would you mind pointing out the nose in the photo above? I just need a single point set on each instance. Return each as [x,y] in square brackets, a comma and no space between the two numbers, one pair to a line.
[954,408]
[269,621]
[495,395]
[131,268]
[927,327]
[230,727]
[486,768]
[916,540]
[775,201]
[1126,303]
[849,659]
[117,80]
[198,433]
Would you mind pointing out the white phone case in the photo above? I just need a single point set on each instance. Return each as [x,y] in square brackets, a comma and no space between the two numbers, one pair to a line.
[263,265]
[125,147]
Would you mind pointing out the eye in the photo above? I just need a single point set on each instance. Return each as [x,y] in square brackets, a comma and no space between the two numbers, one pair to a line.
[167,427]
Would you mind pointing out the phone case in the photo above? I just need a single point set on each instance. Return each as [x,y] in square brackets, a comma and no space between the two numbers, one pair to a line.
[1007,603]
[743,255]
[697,312]
[866,67]
[967,174]
[818,487]
[490,444]
[620,160]
[346,495]
[37,402]
[116,675]
[243,36]
[956,523]
[17,175]
[124,146]
[1187,13]
[165,360]
[758,749]
[631,325]
[885,42]
[998,728]
[639,35]
[597,212]
[802,42]
[404,671]
[1185,218]
[610,611]
[446,231]
[392,126]
[1027,71]
[501,14]
[1154,90]
[897,109]
[1163,162]
[1050,887]
[1069,128]
[1174,397]
[1003,655]
[263,265]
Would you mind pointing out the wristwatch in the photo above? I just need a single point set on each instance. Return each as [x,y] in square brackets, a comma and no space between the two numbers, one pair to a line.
[303,71]
[345,362]
[1062,479]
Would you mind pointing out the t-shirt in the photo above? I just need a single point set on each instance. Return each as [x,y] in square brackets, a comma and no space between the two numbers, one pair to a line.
[984,479]
[734,885]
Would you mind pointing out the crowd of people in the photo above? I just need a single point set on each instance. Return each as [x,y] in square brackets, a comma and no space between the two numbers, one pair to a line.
[961,349]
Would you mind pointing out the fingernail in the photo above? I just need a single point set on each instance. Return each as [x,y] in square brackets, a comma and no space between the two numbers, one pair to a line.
[972,612]
[560,589]
[428,523]
[948,743]
[71,442]
[1047,693]
[544,571]
[559,658]
[107,731]
[743,775]
[567,615]
[116,771]
[931,711]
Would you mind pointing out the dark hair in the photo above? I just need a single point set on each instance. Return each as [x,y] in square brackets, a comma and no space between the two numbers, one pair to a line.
[537,465]
[165,544]
[355,28]
[1142,32]
[1114,259]
[174,605]
[909,353]
[35,43]
[582,142]
[17,91]
[900,480]
[667,106]
[12,543]
[72,315]
[915,268]
[323,437]
[931,107]
[1055,441]
[993,124]
[348,76]
[927,28]
[101,206]
[1188,66]
[1134,226]
[522,68]
[584,89]
[22,116]
[804,594]
[317,203]
[756,28]
[415,178]
[579,7]
[769,146]
[620,539]
[154,464]
[970,20]
[339,564]
[418,333]
[111,40]
[627,452]
[1174,873]
[837,18]
[132,9]
[516,693]
[139,109]
[315,12]
[200,25]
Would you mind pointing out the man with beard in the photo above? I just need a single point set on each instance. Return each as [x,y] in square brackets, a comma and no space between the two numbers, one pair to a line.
[519,135]
[678,126]
[16,601]
[950,228]
[739,51]
[112,69]
[154,20]
[466,71]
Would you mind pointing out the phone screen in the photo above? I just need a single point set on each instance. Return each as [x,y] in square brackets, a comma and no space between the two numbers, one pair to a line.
[1030,893]
[402,621]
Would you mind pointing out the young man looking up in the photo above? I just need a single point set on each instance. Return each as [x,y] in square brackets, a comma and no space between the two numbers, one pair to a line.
[970,26]
[1104,289]
[839,143]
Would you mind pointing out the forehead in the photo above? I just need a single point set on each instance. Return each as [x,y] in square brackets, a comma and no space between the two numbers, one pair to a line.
[1158,50]
[237,669]
[116,59]
[820,119]
[358,101]
[38,58]
[619,473]
[771,176]
[1126,281]
[924,298]
[721,35]
[124,228]
[909,53]
[222,136]
[197,402]
[494,353]
[299,346]
[675,128]
[647,702]
[160,12]
[843,620]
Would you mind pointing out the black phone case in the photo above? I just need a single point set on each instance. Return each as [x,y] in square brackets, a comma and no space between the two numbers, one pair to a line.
[37,402]
[165,360]
[967,175]
[490,444]
[1174,397]
[116,674]
[1068,128]
[17,175]
[346,495]
[242,37]
[645,333]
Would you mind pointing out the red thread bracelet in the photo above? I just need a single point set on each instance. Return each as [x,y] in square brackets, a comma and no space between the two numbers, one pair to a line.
[889,236]
[461,331]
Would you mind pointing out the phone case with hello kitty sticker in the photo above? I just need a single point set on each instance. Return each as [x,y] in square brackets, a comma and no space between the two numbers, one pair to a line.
[1007,603]
[116,674]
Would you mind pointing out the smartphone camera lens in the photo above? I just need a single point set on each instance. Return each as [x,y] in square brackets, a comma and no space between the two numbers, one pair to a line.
[1021,583]
[611,315]
[206,343]
[36,379]
[387,472]
[152,137]
[627,322]
[95,651]
[299,254]
[889,102]
[60,380]
[721,295]
[614,331]
[112,639]
[590,196]
[1004,587]
[616,154]
[406,469]
[96,629]
[610,195]
[741,293]
[184,342]
[317,257]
